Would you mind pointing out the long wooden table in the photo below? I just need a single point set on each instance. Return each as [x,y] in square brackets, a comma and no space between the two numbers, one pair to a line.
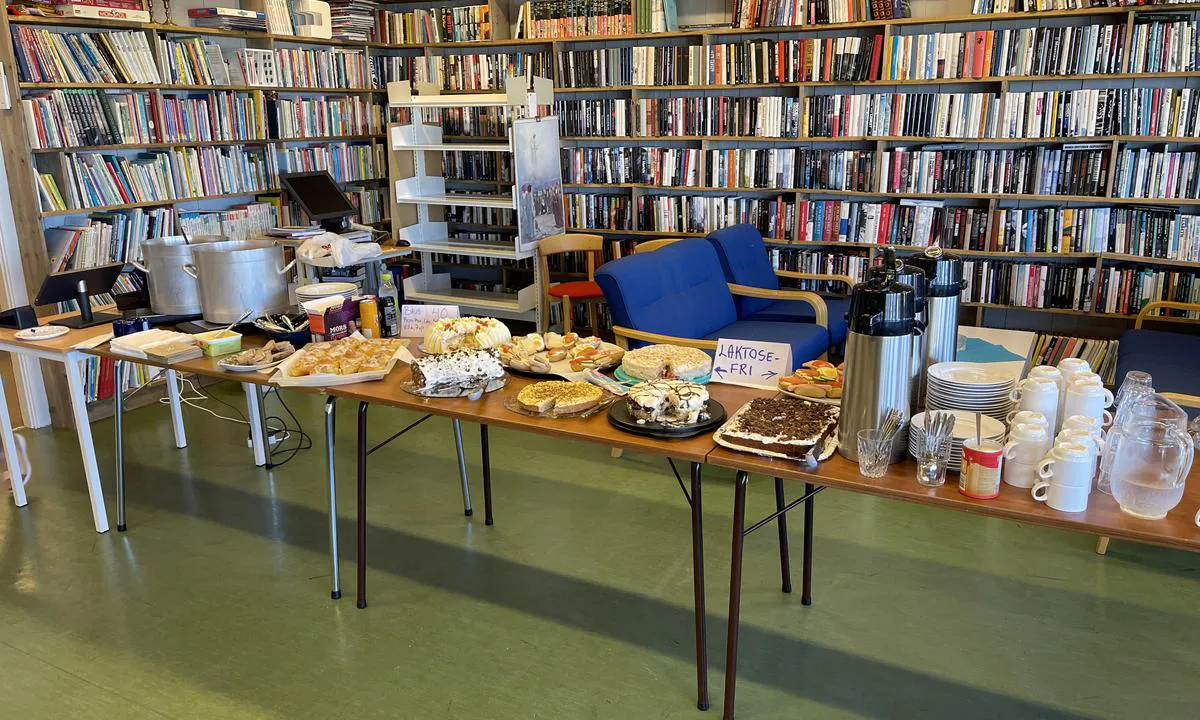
[1103,516]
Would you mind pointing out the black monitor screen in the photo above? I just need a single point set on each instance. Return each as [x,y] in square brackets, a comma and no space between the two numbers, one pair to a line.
[317,193]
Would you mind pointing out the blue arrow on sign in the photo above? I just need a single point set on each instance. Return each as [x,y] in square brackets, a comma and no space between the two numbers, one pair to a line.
[770,374]
[719,371]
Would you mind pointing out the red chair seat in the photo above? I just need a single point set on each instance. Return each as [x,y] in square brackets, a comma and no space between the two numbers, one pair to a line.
[578,290]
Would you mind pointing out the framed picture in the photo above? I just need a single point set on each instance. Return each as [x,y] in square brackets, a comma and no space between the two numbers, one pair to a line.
[538,180]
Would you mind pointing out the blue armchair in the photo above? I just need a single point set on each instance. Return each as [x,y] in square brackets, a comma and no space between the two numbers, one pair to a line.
[1169,357]
[678,294]
[745,261]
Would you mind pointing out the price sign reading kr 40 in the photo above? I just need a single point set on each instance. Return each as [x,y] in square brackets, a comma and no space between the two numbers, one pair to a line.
[751,363]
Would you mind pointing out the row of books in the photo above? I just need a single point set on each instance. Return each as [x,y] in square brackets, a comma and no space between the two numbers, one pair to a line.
[909,222]
[346,162]
[192,61]
[317,117]
[482,71]
[1070,50]
[1164,43]
[208,117]
[942,115]
[1101,355]
[695,214]
[390,68]
[774,13]
[99,374]
[1155,173]
[370,203]
[1031,285]
[467,23]
[321,68]
[820,262]
[1126,290]
[576,18]
[845,59]
[100,180]
[83,118]
[594,210]
[106,238]
[709,116]
[87,57]
[240,222]
[1149,232]
[479,122]
[1079,169]
[1034,6]
[489,166]
[1145,112]
[675,167]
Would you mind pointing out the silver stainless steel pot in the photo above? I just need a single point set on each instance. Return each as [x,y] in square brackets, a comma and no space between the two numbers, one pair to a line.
[240,275]
[172,290]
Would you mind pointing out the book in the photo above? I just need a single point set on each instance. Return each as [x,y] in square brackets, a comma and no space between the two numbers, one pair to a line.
[101,12]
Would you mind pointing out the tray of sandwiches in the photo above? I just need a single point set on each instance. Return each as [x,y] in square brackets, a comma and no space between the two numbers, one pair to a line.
[339,362]
[559,399]
[667,408]
[815,380]
[461,373]
[554,354]
[782,427]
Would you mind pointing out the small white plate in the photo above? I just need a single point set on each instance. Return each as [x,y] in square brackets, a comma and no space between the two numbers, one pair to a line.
[43,332]
[226,365]
[969,374]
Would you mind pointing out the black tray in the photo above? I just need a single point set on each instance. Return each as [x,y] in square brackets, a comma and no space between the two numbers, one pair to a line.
[618,415]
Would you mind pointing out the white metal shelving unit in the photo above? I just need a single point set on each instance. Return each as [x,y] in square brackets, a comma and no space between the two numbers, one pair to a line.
[418,190]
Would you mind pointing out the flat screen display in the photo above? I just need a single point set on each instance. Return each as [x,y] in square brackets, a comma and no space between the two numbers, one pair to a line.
[317,193]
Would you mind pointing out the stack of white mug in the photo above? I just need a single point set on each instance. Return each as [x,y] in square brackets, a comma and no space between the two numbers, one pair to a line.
[1069,403]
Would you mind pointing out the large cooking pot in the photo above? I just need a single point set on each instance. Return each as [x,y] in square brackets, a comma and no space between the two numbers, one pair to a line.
[172,290]
[236,276]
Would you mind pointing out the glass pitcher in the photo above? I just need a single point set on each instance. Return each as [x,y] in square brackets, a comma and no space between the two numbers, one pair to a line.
[1150,468]
[1140,407]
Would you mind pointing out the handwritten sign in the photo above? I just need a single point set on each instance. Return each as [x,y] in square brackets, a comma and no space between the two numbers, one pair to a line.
[751,363]
[415,318]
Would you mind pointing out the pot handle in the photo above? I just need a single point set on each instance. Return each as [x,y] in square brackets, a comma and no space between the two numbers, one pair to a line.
[190,269]
[140,266]
[287,267]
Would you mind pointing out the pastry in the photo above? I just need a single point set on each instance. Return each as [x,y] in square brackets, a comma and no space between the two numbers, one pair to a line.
[671,402]
[560,396]
[816,379]
[269,353]
[344,357]
[585,356]
[465,333]
[666,361]
[462,370]
[535,353]
[781,426]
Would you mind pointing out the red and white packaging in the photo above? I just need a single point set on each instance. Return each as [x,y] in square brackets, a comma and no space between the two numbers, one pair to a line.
[981,466]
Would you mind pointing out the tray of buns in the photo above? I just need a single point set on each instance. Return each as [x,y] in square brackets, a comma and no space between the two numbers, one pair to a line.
[339,362]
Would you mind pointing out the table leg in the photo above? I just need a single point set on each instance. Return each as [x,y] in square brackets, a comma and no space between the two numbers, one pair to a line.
[8,442]
[362,505]
[83,430]
[456,425]
[806,587]
[176,409]
[698,591]
[785,562]
[330,404]
[735,590]
[258,440]
[119,438]
[487,475]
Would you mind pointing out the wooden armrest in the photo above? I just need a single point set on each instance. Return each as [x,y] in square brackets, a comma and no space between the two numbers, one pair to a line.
[1148,311]
[623,334]
[1183,399]
[845,279]
[820,311]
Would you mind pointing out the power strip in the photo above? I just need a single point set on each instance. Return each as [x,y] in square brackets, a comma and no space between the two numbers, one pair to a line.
[272,439]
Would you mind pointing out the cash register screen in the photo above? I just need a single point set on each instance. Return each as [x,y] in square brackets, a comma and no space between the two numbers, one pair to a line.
[318,194]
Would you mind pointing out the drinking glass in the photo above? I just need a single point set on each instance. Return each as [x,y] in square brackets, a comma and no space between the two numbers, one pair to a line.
[1136,382]
[874,451]
[932,464]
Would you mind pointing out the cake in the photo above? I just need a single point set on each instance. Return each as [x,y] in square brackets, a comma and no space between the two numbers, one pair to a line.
[559,396]
[666,361]
[671,402]
[780,426]
[465,333]
[461,370]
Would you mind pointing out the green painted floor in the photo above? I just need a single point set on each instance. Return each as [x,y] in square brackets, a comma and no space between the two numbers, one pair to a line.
[576,604]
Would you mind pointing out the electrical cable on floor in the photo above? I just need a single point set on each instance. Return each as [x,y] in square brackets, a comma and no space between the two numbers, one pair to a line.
[303,442]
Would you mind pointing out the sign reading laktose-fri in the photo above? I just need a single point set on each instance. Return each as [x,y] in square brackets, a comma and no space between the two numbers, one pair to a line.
[751,363]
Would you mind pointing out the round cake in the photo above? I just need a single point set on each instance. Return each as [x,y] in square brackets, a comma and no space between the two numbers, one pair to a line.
[666,361]
[465,333]
[672,402]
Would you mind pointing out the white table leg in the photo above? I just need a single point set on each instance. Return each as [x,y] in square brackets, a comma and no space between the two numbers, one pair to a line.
[83,430]
[257,441]
[9,444]
[176,409]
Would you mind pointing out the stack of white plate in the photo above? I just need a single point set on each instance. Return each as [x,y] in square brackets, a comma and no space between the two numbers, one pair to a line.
[978,387]
[316,291]
[964,428]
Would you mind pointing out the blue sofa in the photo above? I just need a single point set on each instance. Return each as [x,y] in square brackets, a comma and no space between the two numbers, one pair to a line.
[745,261]
[678,294]
[1170,358]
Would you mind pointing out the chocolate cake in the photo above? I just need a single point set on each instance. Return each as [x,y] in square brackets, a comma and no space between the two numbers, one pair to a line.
[780,426]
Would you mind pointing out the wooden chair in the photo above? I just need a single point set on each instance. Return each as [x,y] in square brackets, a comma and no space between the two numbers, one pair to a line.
[583,291]
[1162,355]
[652,245]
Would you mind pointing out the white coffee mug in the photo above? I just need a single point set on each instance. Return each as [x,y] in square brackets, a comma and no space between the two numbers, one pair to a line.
[1038,395]
[1027,443]
[1028,417]
[1064,498]
[1084,398]
[1048,372]
[1019,474]
[1085,423]
[1069,367]
[1067,464]
[1095,446]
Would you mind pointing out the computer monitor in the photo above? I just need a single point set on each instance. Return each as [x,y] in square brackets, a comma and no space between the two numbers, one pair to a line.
[320,196]
[79,285]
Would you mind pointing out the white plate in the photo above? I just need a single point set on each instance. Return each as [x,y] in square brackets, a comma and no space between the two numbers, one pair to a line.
[971,374]
[964,424]
[43,332]
[327,289]
[226,365]
[823,401]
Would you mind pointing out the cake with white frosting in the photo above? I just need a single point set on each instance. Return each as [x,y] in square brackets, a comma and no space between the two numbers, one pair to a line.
[780,427]
[671,402]
[464,333]
[463,370]
[666,361]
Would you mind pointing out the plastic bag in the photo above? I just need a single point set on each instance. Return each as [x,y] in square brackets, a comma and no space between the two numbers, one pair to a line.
[332,250]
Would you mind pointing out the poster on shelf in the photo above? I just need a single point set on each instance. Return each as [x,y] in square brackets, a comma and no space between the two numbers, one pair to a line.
[537,173]
[415,318]
[751,363]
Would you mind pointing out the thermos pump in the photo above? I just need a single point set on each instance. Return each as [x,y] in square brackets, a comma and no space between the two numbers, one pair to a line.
[944,285]
[879,352]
